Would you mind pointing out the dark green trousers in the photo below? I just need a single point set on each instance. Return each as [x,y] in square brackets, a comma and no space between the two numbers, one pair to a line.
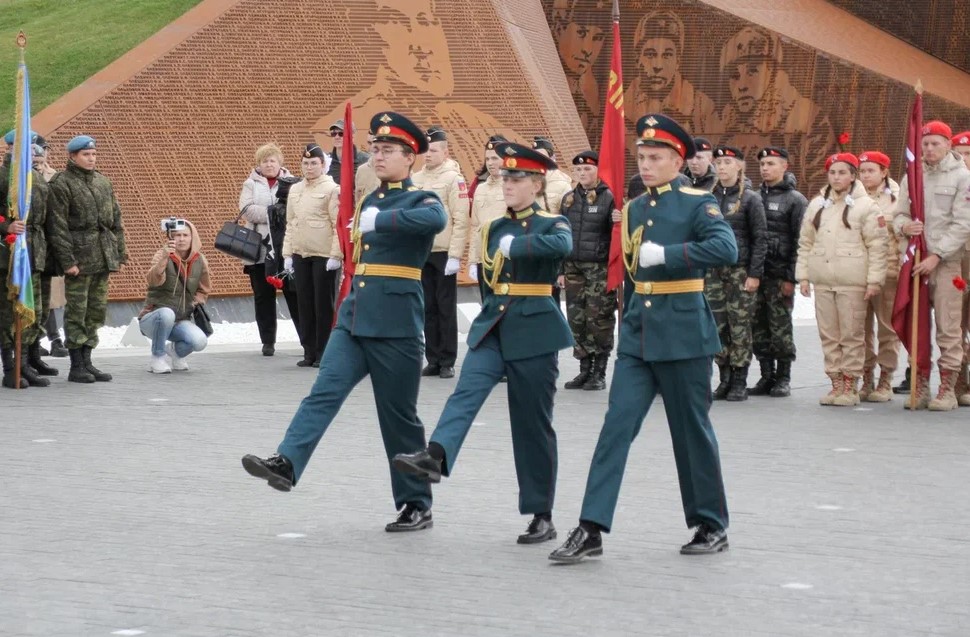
[531,388]
[686,389]
[394,366]
[86,309]
[30,332]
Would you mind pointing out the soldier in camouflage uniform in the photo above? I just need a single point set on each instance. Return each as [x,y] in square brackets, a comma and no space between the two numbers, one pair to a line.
[774,341]
[591,310]
[89,242]
[731,290]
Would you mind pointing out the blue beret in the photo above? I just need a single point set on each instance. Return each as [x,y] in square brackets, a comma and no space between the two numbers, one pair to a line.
[12,132]
[79,143]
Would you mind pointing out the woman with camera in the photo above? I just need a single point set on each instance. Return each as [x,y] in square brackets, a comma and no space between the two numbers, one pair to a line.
[178,281]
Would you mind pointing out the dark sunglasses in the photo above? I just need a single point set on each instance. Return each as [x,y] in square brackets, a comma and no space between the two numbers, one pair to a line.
[337,133]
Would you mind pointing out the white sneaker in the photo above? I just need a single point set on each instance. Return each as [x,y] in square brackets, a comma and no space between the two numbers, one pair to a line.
[159,365]
[178,364]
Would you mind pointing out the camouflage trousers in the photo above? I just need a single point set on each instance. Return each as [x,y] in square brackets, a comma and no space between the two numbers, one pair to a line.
[30,332]
[590,309]
[733,310]
[773,336]
[87,306]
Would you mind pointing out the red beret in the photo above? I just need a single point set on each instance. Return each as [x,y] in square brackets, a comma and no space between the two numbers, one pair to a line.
[848,158]
[937,127]
[961,139]
[875,157]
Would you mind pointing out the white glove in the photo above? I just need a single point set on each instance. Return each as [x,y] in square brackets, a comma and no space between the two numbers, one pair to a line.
[368,219]
[505,244]
[333,264]
[288,264]
[452,266]
[473,272]
[651,254]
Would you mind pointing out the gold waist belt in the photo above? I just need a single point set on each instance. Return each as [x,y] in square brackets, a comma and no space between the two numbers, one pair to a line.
[668,287]
[522,289]
[380,269]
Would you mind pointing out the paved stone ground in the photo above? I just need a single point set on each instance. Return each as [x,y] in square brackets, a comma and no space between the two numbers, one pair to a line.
[125,511]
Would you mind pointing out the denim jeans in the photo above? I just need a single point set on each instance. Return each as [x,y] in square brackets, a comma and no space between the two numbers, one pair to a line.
[160,326]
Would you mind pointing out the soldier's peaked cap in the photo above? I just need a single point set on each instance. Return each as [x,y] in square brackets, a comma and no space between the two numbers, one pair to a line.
[394,127]
[655,129]
[519,160]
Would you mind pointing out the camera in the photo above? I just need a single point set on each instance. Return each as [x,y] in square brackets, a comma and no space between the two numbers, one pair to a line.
[172,224]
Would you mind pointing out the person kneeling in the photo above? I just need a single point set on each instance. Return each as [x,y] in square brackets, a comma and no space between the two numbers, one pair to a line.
[178,280]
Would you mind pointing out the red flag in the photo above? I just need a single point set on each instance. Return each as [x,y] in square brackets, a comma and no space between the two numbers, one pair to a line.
[612,166]
[345,215]
[903,310]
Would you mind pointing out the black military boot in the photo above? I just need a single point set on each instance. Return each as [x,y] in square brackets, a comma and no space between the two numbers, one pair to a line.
[33,357]
[78,373]
[597,376]
[30,374]
[8,371]
[585,367]
[721,391]
[739,385]
[903,386]
[101,377]
[277,470]
[767,380]
[782,386]
[57,349]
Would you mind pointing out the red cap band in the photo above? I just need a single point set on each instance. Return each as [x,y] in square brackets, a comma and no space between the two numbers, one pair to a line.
[398,133]
[524,165]
[658,135]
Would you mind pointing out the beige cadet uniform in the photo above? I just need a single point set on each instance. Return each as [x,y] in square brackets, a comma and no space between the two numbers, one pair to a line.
[558,185]
[879,313]
[365,181]
[487,205]
[946,188]
[841,262]
[311,218]
[447,182]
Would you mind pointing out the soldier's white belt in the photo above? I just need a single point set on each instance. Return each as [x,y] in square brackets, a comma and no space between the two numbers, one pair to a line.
[522,289]
[381,269]
[669,287]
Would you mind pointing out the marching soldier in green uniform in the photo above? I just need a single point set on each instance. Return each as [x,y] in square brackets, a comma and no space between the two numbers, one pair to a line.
[379,325]
[89,243]
[671,235]
[517,334]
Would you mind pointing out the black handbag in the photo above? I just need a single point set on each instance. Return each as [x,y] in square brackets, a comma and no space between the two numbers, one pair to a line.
[202,320]
[239,241]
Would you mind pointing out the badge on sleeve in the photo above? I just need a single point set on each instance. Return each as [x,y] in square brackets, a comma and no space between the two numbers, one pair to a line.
[712,210]
[881,220]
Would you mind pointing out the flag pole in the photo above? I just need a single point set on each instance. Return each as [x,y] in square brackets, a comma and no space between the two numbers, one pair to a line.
[18,320]
[914,323]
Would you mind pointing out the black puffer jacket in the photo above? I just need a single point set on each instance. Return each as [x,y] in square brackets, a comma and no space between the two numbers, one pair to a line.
[707,181]
[360,157]
[784,210]
[590,221]
[748,222]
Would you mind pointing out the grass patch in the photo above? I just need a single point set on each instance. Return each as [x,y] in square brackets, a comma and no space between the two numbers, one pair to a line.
[70,40]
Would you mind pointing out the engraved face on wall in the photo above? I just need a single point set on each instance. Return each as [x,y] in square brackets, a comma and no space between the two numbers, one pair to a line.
[748,83]
[415,45]
[579,43]
[657,64]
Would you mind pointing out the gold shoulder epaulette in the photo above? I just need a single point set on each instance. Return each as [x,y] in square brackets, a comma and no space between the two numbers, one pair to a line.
[543,213]
[694,191]
[413,188]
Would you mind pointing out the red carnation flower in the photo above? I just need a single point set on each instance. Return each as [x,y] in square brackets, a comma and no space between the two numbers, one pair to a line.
[844,138]
[2,219]
[959,283]
[276,282]
[10,239]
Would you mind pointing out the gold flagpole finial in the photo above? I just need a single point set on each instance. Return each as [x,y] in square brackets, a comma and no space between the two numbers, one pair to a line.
[22,40]
[919,86]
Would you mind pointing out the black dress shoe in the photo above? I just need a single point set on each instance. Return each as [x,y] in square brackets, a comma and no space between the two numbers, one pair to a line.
[540,530]
[706,540]
[269,350]
[276,470]
[411,519]
[580,544]
[431,370]
[420,463]
[304,363]
[447,372]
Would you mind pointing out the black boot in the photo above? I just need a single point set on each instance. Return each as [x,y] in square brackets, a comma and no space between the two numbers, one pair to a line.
[782,386]
[277,470]
[767,380]
[8,371]
[903,386]
[33,357]
[721,391]
[585,367]
[99,376]
[420,463]
[597,377]
[30,374]
[739,385]
[78,373]
[57,349]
